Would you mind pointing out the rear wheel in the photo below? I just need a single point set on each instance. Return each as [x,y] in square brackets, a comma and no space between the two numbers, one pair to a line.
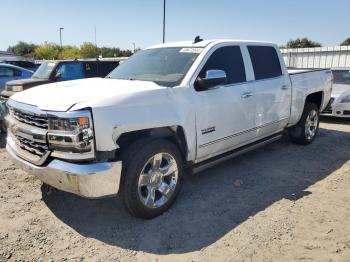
[152,176]
[305,131]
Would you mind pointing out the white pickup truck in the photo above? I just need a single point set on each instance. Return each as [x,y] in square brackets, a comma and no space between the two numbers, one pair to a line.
[170,108]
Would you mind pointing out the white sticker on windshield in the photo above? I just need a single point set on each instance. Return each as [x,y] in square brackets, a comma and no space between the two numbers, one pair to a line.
[195,50]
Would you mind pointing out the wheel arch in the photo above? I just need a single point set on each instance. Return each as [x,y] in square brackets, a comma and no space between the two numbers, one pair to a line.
[175,134]
[315,98]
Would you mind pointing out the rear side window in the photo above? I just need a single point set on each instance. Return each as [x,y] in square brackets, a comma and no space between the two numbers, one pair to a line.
[106,67]
[90,69]
[265,62]
[9,72]
[228,59]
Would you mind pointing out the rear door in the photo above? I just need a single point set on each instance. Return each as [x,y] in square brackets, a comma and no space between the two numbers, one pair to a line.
[272,90]
[225,116]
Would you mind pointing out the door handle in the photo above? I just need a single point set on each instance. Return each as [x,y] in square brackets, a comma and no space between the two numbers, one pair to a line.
[247,95]
[285,87]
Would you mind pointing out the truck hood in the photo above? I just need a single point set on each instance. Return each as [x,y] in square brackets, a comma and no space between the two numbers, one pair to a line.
[62,96]
[339,89]
[26,83]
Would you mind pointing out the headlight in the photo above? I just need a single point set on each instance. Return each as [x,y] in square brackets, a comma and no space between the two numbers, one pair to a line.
[345,99]
[71,135]
[15,88]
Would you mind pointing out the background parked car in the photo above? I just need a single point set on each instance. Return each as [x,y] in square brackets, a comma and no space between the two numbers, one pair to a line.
[339,104]
[61,70]
[24,64]
[11,72]
[7,73]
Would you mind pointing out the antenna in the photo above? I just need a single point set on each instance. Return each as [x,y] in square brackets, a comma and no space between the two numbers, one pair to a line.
[197,39]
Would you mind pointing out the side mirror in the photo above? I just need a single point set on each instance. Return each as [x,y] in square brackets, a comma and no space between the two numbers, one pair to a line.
[212,78]
[58,75]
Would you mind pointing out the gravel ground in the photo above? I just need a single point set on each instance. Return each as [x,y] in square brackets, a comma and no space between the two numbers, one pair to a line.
[279,203]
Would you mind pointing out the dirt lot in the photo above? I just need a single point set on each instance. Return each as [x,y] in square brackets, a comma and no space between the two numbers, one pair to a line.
[280,203]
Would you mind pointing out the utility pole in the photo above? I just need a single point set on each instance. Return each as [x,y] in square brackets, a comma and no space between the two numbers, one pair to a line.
[95,36]
[134,47]
[61,28]
[164,22]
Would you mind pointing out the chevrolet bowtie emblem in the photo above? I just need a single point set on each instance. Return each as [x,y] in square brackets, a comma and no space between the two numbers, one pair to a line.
[14,129]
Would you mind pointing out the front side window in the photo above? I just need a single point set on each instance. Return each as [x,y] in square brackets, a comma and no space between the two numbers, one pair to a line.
[265,62]
[341,77]
[163,66]
[70,71]
[228,59]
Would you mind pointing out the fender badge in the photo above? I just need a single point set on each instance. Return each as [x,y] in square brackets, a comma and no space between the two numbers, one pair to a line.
[208,130]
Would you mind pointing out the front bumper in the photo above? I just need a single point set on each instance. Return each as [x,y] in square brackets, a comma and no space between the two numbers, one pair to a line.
[93,180]
[338,110]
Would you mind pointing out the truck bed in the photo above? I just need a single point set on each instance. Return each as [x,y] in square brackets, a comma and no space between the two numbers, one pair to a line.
[293,71]
[305,82]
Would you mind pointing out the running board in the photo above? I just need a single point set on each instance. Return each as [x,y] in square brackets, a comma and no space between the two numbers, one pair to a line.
[231,154]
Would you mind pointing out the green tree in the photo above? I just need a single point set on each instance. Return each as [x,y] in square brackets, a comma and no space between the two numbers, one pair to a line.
[23,49]
[126,52]
[109,51]
[70,52]
[47,51]
[346,42]
[302,43]
[89,50]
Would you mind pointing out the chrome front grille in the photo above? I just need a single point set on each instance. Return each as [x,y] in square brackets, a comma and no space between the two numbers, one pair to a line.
[30,119]
[36,148]
[27,132]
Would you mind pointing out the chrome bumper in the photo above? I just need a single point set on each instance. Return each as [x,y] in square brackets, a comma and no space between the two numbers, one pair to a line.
[92,180]
[339,110]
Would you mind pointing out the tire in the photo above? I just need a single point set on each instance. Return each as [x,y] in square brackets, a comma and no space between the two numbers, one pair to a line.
[305,131]
[149,185]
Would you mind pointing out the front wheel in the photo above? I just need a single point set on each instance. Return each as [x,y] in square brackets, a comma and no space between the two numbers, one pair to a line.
[152,176]
[305,131]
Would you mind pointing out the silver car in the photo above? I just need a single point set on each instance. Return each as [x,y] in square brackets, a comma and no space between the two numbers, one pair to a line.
[339,105]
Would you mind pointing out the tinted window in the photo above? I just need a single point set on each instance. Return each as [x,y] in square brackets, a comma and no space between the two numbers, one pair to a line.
[228,59]
[9,72]
[70,71]
[90,69]
[106,67]
[265,62]
[341,77]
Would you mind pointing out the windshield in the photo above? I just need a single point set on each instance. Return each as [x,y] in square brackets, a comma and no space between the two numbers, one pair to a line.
[163,66]
[44,71]
[341,77]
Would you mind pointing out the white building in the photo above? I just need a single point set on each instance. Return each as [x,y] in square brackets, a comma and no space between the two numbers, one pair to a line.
[318,57]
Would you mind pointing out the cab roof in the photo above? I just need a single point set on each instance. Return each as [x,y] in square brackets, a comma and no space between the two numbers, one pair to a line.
[205,43]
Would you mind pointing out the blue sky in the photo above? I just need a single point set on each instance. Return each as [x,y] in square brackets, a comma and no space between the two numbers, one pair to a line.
[122,22]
